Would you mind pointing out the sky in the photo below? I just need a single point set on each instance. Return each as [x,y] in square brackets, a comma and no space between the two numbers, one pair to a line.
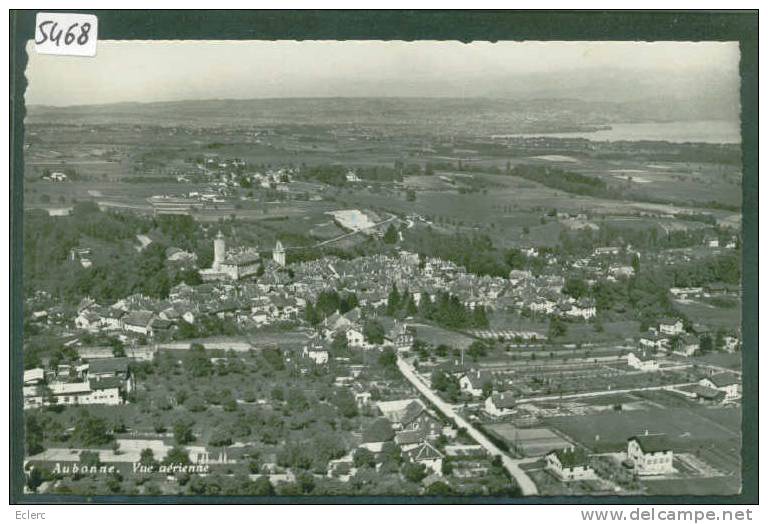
[152,71]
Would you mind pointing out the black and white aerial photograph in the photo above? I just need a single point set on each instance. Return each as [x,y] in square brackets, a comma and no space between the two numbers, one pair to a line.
[377,268]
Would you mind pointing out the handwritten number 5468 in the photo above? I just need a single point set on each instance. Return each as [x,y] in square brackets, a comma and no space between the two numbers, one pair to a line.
[54,35]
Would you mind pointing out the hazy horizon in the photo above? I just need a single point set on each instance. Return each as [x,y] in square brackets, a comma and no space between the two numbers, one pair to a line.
[125,72]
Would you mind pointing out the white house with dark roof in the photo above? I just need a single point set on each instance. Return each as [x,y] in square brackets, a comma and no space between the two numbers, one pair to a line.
[671,326]
[570,464]
[653,340]
[689,345]
[642,361]
[650,454]
[728,383]
[426,454]
[138,322]
[500,404]
[473,381]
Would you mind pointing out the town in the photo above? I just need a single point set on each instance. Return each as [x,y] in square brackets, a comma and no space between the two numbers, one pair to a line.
[463,315]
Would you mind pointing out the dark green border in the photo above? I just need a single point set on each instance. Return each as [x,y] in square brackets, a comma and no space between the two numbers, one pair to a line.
[465,26]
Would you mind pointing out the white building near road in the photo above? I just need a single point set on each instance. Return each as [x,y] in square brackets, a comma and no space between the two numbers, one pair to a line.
[650,454]
[642,362]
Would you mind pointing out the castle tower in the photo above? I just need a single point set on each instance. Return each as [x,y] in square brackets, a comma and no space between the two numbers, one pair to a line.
[278,255]
[219,248]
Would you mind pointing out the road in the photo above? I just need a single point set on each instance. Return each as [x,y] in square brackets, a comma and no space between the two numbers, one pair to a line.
[523,480]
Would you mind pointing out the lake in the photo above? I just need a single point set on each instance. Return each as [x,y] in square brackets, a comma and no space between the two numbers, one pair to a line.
[707,131]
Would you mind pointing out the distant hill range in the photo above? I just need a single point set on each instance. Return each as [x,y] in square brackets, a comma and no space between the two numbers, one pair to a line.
[533,103]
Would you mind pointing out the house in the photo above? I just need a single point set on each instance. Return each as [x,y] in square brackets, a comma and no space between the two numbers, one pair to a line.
[705,395]
[671,326]
[584,308]
[608,250]
[569,464]
[356,339]
[428,455]
[408,440]
[316,353]
[728,383]
[621,271]
[650,454]
[33,377]
[654,341]
[159,326]
[138,322]
[77,393]
[409,415]
[688,346]
[642,361]
[87,319]
[685,293]
[95,352]
[517,276]
[106,375]
[473,382]
[500,404]
[542,305]
[362,399]
[731,343]
[111,318]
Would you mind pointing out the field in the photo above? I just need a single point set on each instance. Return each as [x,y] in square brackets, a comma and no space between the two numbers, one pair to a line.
[435,335]
[696,486]
[531,442]
[687,428]
[709,315]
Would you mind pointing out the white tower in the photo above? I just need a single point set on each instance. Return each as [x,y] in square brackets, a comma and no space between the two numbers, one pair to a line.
[278,255]
[219,248]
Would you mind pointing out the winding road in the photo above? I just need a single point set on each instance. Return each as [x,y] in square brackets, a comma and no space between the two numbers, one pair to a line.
[513,466]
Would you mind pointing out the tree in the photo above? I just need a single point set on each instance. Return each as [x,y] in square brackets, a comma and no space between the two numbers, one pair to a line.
[575,287]
[196,362]
[339,345]
[182,431]
[477,349]
[310,314]
[91,431]
[262,487]
[177,455]
[296,400]
[515,259]
[221,438]
[364,457]
[705,344]
[719,339]
[33,434]
[487,389]
[390,236]
[393,301]
[410,195]
[414,472]
[147,459]
[379,431]
[439,489]
[373,332]
[557,328]
[479,318]
[388,358]
[345,403]
[411,309]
